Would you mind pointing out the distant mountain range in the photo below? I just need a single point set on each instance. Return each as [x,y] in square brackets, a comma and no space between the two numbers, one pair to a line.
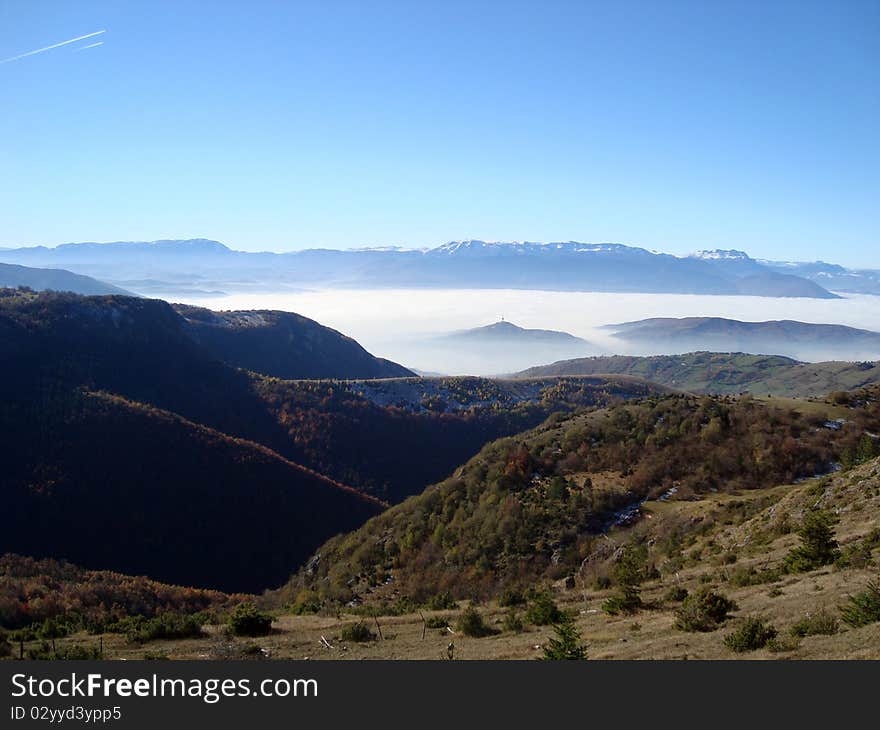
[201,265]
[785,337]
[829,276]
[13,275]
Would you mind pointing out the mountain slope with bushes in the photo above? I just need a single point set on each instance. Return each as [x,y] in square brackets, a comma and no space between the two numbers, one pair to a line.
[725,373]
[114,410]
[533,507]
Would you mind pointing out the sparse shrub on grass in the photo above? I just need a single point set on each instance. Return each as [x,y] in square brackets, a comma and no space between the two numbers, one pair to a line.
[542,610]
[675,594]
[743,576]
[41,652]
[247,620]
[441,602]
[627,600]
[55,627]
[436,622]
[471,623]
[780,644]
[77,653]
[155,656]
[358,632]
[872,539]
[140,630]
[304,609]
[704,610]
[818,546]
[863,608]
[512,622]
[307,602]
[511,597]
[752,634]
[28,633]
[251,651]
[857,555]
[566,644]
[64,653]
[821,622]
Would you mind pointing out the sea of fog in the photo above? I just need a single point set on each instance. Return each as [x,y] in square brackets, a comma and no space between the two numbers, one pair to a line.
[403,325]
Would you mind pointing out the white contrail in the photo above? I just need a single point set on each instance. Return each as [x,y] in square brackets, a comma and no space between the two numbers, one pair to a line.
[54,45]
[91,45]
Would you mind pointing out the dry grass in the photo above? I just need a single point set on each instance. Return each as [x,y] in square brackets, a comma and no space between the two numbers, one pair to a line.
[648,634]
[854,496]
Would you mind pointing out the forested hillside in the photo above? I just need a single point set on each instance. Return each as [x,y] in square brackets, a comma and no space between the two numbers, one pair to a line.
[132,448]
[391,438]
[112,484]
[531,508]
[283,344]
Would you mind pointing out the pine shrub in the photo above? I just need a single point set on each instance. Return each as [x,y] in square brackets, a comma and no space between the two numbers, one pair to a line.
[471,623]
[542,610]
[752,634]
[246,620]
[818,546]
[512,622]
[704,610]
[358,632]
[821,622]
[676,594]
[863,608]
[566,644]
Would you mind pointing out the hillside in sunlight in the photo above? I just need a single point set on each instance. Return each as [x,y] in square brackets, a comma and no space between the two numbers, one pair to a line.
[533,507]
[723,372]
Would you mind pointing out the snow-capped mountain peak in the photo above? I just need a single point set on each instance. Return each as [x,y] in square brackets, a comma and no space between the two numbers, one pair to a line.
[721,254]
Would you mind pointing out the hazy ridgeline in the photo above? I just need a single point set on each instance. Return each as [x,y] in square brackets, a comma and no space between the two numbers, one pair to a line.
[404,325]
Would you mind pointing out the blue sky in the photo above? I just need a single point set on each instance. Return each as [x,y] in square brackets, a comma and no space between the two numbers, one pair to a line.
[280,125]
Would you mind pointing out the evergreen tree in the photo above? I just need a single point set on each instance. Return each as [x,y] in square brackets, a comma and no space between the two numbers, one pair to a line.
[818,546]
[629,572]
[863,608]
[567,642]
[866,449]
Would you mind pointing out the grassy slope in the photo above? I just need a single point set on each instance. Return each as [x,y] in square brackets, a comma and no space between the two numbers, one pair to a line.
[740,524]
[706,372]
